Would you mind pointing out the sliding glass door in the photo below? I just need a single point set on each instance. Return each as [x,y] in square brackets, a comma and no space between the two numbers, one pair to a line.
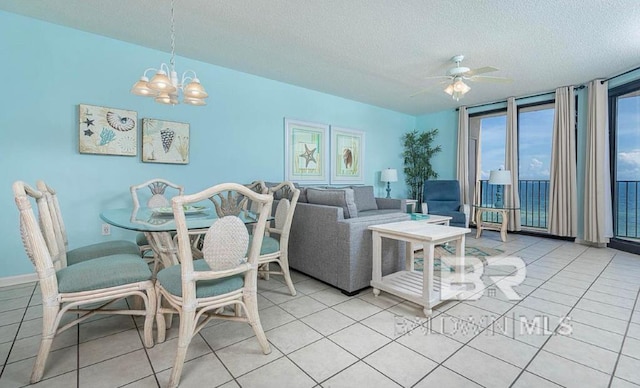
[624,112]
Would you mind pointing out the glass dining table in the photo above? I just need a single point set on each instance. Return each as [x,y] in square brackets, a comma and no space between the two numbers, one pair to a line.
[158,224]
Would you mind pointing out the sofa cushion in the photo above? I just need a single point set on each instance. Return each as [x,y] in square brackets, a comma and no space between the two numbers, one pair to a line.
[364,198]
[334,197]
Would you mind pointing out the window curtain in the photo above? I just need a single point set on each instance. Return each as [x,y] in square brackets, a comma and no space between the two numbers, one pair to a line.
[598,222]
[563,210]
[511,193]
[462,172]
[477,197]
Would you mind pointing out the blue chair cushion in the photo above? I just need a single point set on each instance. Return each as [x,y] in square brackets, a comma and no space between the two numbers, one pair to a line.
[458,219]
[269,245]
[102,249]
[141,239]
[171,280]
[103,272]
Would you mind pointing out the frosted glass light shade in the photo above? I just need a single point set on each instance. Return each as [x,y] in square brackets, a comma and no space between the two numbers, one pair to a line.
[141,88]
[194,89]
[161,83]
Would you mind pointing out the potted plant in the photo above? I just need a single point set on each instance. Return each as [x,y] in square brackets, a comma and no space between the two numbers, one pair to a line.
[418,150]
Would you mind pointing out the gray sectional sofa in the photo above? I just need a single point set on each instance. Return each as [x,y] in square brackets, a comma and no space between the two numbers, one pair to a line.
[330,240]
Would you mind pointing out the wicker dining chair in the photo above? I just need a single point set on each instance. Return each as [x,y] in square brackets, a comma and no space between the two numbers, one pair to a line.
[70,289]
[200,290]
[80,254]
[158,198]
[275,245]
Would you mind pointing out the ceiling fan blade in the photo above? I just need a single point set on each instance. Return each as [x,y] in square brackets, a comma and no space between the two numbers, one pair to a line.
[481,70]
[428,89]
[488,78]
[439,77]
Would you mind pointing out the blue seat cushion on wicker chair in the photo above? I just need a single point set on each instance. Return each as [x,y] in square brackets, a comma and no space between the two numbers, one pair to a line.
[170,279]
[269,245]
[106,248]
[103,272]
[141,239]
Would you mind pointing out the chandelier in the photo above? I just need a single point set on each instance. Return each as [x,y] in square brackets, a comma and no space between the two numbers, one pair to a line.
[457,88]
[165,86]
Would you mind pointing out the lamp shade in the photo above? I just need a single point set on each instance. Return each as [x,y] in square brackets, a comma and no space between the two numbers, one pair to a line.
[389,175]
[500,177]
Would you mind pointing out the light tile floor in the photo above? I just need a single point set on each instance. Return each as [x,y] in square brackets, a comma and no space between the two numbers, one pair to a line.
[322,338]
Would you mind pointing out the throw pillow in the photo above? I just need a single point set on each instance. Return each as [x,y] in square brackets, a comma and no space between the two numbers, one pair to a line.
[364,198]
[334,197]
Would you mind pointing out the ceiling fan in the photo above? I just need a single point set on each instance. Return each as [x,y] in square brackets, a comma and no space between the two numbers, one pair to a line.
[456,87]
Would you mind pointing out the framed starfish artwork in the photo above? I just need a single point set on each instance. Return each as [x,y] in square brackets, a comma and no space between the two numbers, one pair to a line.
[347,156]
[107,131]
[306,152]
[165,141]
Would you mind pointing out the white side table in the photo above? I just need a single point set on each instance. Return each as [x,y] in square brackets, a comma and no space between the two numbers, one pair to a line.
[502,227]
[421,288]
[413,203]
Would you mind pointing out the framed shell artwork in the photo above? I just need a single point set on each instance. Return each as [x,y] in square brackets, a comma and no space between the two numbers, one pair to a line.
[165,141]
[107,131]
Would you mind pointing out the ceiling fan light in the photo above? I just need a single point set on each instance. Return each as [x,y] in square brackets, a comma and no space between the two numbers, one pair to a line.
[449,89]
[161,83]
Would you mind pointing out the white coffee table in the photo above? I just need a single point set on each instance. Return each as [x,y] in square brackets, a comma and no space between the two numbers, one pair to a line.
[417,287]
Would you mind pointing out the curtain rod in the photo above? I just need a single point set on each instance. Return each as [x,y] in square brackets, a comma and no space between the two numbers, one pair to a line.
[520,98]
[620,75]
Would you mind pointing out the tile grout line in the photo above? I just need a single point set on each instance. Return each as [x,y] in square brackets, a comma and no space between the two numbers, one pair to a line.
[556,328]
[626,332]
[17,331]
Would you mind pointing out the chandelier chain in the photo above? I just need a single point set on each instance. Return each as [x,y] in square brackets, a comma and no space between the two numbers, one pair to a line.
[173,38]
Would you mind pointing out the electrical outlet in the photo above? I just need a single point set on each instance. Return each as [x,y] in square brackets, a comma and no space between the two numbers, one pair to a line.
[106,229]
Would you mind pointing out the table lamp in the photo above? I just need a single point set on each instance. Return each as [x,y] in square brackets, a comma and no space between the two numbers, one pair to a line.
[389,175]
[500,178]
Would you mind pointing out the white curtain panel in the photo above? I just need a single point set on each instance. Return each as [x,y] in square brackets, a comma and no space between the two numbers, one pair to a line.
[563,210]
[462,172]
[477,198]
[598,221]
[511,194]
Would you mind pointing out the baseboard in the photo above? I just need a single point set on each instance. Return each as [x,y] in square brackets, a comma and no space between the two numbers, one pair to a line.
[19,279]
[590,244]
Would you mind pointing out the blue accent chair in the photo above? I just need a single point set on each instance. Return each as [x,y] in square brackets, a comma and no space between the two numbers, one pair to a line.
[443,199]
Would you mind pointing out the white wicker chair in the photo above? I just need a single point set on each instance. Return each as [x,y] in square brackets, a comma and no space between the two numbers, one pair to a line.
[158,198]
[199,290]
[83,253]
[99,282]
[275,249]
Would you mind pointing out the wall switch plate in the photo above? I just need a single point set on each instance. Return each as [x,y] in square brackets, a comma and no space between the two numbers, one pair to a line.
[106,229]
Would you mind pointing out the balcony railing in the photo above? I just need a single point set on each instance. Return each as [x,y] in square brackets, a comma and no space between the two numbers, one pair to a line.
[534,199]
[626,209]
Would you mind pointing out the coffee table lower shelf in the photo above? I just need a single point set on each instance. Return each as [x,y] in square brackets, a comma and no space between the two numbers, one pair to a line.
[409,285]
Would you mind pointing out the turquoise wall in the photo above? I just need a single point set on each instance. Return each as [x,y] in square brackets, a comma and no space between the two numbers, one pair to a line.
[446,122]
[238,136]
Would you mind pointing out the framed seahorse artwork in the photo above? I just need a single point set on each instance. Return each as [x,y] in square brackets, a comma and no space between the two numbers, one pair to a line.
[107,131]
[165,141]
[347,156]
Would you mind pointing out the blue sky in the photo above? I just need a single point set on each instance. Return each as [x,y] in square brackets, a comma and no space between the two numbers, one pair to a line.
[628,139]
[535,131]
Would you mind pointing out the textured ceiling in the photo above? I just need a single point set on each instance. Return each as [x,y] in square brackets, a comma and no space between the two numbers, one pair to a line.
[377,51]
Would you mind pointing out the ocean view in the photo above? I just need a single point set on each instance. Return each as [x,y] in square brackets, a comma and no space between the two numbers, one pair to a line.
[534,198]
